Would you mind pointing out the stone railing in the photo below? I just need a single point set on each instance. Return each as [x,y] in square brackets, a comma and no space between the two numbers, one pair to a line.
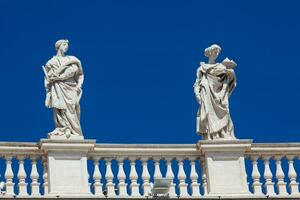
[274,169]
[16,175]
[144,163]
[128,170]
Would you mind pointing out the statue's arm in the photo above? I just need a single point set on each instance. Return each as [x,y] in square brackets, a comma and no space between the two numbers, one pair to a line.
[46,70]
[68,73]
[232,80]
[80,76]
[197,87]
[80,81]
[46,84]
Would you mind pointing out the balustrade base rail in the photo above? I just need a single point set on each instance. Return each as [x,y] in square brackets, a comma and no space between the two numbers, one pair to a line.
[124,198]
[269,171]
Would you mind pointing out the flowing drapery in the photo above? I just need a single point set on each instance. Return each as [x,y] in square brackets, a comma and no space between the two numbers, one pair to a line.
[63,80]
[213,86]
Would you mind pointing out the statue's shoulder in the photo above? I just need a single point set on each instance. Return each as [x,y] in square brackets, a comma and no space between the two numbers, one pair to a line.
[73,58]
[51,60]
[221,66]
[205,66]
[76,61]
[201,64]
[200,67]
[200,70]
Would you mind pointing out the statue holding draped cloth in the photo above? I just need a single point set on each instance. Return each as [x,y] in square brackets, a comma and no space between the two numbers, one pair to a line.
[63,81]
[213,86]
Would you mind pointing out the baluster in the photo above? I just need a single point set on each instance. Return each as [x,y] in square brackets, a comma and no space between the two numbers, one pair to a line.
[203,177]
[109,176]
[34,175]
[194,178]
[146,177]
[97,178]
[157,173]
[122,177]
[292,176]
[181,176]
[45,175]
[22,185]
[170,175]
[269,185]
[9,175]
[134,186]
[256,176]
[281,185]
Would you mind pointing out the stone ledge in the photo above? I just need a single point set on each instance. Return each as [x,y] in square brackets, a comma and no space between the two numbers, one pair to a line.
[139,198]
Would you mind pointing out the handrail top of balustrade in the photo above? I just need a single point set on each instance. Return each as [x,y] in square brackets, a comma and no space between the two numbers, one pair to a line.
[151,150]
[288,144]
[151,145]
[274,149]
[145,151]
[19,144]
[144,145]
[20,149]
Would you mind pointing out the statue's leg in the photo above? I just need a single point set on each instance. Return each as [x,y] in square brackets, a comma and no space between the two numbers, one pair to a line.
[205,136]
[55,117]
[60,122]
[77,107]
[222,133]
[72,119]
[213,136]
[230,129]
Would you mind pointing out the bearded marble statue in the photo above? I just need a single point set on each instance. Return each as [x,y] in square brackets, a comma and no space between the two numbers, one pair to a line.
[213,86]
[63,81]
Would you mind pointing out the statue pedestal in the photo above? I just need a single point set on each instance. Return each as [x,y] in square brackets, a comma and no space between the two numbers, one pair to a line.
[225,166]
[64,137]
[67,166]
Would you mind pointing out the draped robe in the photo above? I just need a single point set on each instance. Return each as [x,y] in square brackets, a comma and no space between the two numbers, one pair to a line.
[213,86]
[63,80]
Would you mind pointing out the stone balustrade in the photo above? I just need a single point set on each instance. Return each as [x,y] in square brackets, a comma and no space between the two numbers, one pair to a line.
[18,159]
[129,170]
[274,169]
[138,165]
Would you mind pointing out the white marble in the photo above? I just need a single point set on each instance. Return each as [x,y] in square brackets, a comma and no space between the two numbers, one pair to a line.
[214,84]
[225,167]
[63,81]
[217,159]
[67,166]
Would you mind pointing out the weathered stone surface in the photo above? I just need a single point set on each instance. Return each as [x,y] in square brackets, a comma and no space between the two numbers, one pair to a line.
[213,86]
[63,81]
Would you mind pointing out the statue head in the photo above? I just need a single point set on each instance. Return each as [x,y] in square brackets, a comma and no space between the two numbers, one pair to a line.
[62,45]
[212,51]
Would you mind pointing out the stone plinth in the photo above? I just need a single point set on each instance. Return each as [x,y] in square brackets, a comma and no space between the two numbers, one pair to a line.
[67,166]
[225,166]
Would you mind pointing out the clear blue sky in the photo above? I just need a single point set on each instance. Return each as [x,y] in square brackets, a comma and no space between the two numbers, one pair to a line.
[139,60]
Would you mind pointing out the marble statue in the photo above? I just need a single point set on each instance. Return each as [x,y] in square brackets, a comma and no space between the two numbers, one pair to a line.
[63,81]
[213,86]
